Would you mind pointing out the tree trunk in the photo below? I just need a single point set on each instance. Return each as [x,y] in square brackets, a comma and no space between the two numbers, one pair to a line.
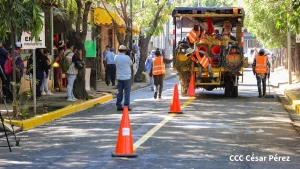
[144,46]
[79,90]
[139,76]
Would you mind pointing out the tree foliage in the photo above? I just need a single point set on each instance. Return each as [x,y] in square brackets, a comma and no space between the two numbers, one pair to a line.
[270,25]
[17,17]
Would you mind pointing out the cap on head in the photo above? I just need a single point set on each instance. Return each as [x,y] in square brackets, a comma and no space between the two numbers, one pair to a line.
[18,45]
[112,49]
[122,47]
[0,41]
[189,51]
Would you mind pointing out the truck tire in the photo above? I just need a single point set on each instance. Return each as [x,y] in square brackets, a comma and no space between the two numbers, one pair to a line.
[228,87]
[235,91]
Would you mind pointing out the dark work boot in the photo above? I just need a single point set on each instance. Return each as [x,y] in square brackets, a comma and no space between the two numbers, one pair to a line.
[155,95]
[264,94]
[259,95]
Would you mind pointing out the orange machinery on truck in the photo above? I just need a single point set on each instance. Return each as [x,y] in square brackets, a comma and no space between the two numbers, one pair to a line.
[225,53]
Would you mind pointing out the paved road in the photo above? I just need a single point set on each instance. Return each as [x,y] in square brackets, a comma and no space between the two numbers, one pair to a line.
[211,129]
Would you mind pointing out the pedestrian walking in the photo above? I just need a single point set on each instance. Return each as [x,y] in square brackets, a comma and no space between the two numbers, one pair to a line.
[148,67]
[44,88]
[19,66]
[123,64]
[110,67]
[71,73]
[261,68]
[158,71]
[136,53]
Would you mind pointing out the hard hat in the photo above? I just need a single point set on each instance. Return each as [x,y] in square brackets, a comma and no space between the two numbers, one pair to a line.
[122,47]
[189,51]
[204,25]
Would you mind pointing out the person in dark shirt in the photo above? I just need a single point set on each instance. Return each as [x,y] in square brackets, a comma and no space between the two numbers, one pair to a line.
[41,67]
[6,87]
[19,65]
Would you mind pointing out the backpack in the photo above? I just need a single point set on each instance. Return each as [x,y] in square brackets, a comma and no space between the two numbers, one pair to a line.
[8,67]
[64,63]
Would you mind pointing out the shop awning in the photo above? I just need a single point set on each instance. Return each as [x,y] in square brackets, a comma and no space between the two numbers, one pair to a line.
[102,17]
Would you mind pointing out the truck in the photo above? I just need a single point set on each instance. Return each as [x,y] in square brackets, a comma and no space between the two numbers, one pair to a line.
[226,55]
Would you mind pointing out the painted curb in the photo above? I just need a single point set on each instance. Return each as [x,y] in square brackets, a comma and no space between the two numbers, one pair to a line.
[294,101]
[48,117]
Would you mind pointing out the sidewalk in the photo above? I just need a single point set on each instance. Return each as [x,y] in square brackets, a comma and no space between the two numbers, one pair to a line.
[279,81]
[56,106]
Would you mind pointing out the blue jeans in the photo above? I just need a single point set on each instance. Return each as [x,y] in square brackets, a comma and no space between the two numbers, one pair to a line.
[71,79]
[123,85]
[44,87]
[151,82]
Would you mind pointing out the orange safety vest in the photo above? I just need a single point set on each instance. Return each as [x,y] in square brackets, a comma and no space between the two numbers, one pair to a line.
[158,66]
[204,61]
[261,65]
[193,35]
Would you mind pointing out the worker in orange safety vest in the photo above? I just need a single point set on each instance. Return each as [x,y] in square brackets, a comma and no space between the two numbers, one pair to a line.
[202,60]
[158,71]
[197,33]
[261,68]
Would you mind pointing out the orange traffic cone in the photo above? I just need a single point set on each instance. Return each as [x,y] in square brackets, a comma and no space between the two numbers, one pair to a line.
[124,146]
[191,90]
[175,105]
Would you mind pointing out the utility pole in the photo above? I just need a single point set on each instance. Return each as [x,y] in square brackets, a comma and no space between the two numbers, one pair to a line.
[167,40]
[289,47]
[130,39]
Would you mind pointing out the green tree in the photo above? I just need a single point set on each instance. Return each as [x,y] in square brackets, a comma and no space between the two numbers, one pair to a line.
[151,25]
[78,36]
[17,17]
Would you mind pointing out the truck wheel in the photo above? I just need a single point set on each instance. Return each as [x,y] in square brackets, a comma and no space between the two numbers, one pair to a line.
[235,91]
[228,87]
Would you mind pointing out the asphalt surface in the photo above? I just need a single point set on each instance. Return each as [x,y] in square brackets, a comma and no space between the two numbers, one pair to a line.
[212,130]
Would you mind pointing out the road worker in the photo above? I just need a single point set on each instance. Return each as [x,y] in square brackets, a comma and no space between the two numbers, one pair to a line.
[261,68]
[227,29]
[203,61]
[158,71]
[197,33]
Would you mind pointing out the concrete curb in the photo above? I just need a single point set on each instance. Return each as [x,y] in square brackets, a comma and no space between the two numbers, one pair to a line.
[48,117]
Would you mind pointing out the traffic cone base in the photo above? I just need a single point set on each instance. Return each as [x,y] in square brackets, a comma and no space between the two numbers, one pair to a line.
[124,155]
[175,105]
[176,112]
[124,147]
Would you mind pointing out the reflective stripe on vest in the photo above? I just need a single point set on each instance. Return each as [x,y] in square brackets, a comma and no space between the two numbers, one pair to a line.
[193,36]
[158,66]
[204,61]
[261,65]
